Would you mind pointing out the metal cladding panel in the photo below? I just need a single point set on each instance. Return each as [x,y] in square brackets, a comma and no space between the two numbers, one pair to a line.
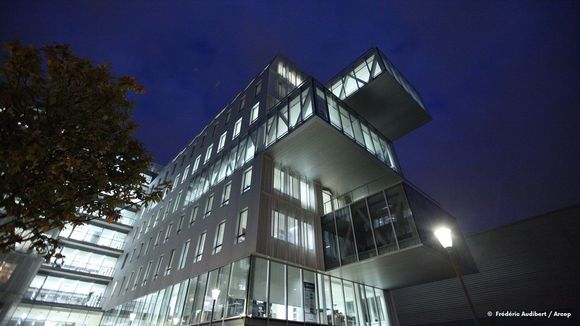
[531,265]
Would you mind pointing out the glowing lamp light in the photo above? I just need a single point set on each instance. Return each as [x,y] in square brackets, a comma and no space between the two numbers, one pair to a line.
[215,293]
[443,234]
[132,316]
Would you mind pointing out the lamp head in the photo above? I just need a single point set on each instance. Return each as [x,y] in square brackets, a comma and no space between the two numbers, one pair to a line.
[443,234]
[215,293]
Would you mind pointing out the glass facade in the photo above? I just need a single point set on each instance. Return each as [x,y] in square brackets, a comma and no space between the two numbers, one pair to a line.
[85,261]
[29,315]
[257,288]
[190,301]
[67,291]
[374,225]
[368,67]
[94,234]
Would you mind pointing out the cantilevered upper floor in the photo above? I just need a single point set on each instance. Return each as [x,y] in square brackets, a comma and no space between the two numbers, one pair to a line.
[375,88]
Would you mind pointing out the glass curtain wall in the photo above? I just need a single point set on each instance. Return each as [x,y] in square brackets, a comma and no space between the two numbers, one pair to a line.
[300,295]
[190,302]
[94,234]
[67,291]
[378,224]
[275,291]
[26,314]
[367,68]
[85,261]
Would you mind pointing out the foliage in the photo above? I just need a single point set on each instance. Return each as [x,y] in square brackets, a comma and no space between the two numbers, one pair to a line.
[67,151]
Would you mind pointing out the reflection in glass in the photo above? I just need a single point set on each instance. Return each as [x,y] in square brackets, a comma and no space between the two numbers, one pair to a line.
[188,303]
[237,288]
[338,302]
[277,308]
[222,285]
[402,217]
[330,247]
[362,230]
[259,287]
[324,299]
[381,222]
[345,236]
[295,311]
[350,303]
[199,298]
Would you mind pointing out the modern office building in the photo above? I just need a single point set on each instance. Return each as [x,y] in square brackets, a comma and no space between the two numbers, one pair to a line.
[67,292]
[290,207]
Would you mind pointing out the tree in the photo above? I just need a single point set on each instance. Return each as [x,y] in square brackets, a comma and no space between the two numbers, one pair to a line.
[67,151]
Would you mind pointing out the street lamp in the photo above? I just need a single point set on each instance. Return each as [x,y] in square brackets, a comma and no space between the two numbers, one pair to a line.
[443,234]
[215,293]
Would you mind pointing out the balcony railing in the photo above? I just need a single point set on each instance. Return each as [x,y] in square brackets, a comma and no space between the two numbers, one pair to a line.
[72,298]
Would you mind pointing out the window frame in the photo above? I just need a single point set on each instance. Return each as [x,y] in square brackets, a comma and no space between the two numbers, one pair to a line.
[200,247]
[208,206]
[222,141]
[218,241]
[226,191]
[237,128]
[208,153]
[246,181]
[241,232]
[254,113]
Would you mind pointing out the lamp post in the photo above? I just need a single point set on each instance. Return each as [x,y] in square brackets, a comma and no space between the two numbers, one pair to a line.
[215,293]
[443,234]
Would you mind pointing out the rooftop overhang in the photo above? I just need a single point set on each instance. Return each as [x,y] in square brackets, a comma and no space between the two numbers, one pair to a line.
[410,266]
[322,153]
[388,106]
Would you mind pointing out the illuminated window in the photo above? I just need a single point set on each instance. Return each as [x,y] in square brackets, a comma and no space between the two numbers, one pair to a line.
[193,216]
[237,128]
[242,222]
[219,238]
[222,141]
[183,257]
[200,245]
[208,205]
[185,172]
[196,163]
[169,263]
[177,201]
[254,112]
[247,180]
[208,153]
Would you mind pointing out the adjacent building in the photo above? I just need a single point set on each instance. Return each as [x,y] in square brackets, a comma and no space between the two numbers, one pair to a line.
[69,291]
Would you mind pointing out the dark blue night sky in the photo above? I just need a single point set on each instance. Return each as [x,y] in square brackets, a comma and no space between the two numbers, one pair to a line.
[501,80]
